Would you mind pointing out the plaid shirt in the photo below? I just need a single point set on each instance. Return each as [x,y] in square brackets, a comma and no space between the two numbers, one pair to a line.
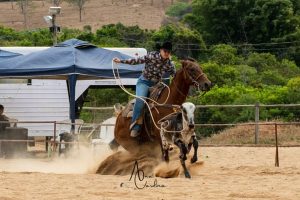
[155,66]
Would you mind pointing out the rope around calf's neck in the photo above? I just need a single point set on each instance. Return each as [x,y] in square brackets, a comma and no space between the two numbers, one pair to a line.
[117,77]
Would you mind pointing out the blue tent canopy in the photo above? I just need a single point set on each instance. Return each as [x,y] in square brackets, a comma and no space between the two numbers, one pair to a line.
[71,60]
[7,54]
[70,57]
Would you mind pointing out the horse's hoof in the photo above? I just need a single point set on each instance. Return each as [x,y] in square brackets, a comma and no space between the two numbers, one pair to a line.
[187,175]
[194,159]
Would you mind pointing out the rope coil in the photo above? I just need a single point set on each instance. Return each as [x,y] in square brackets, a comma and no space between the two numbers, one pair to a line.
[118,78]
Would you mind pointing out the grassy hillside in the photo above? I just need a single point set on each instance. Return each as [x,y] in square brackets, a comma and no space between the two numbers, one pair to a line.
[96,13]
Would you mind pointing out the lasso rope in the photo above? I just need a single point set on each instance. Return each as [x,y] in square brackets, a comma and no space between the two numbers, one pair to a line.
[117,77]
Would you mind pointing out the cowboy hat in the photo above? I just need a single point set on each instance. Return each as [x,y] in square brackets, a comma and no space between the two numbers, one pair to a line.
[166,46]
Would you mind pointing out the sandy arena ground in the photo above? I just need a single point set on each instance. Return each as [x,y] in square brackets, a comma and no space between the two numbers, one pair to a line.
[226,173]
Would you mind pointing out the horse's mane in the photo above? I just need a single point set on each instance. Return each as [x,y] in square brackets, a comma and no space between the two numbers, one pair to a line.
[189,59]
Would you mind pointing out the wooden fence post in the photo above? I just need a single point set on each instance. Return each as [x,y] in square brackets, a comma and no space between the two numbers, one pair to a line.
[256,122]
[276,143]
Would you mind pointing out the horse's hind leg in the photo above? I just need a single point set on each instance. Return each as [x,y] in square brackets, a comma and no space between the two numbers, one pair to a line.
[114,145]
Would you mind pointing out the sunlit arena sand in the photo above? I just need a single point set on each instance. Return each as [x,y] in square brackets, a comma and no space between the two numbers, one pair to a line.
[221,173]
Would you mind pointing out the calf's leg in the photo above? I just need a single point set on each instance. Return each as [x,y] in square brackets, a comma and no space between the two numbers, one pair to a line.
[195,145]
[182,156]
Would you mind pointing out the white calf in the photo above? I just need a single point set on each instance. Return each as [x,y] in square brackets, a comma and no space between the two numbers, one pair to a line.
[179,129]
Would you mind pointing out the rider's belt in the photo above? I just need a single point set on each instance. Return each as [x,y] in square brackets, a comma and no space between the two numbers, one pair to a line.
[154,80]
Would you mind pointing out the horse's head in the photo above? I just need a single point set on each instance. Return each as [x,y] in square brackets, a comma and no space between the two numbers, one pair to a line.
[194,75]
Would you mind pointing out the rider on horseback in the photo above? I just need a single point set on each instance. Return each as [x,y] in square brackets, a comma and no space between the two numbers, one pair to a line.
[156,64]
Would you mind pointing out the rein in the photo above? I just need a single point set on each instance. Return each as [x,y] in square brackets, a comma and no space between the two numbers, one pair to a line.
[194,81]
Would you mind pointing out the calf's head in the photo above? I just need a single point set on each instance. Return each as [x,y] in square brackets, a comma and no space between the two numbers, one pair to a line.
[188,110]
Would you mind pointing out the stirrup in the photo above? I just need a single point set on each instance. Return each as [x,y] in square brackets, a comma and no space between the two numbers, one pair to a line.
[134,133]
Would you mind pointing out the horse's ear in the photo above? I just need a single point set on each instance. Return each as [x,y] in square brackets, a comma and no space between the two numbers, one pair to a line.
[184,63]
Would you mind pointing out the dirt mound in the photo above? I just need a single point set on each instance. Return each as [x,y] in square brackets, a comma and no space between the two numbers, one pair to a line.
[122,163]
[149,161]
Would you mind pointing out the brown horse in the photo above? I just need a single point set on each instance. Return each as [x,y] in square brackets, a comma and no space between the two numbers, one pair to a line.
[190,74]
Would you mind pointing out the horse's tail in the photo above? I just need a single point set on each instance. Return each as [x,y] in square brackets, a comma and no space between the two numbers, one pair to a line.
[114,145]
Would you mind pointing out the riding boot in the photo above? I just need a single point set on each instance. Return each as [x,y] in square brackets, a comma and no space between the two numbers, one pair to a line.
[135,129]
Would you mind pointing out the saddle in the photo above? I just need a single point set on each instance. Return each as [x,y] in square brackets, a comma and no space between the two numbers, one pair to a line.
[155,93]
[145,117]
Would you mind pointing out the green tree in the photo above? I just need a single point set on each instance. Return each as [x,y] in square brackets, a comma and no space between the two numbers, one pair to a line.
[179,9]
[224,54]
[271,19]
[240,21]
[247,75]
[294,90]
[131,36]
[220,21]
[262,61]
[221,74]
[185,41]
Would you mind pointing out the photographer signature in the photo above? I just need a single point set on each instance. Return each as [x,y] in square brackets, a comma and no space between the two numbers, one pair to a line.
[140,180]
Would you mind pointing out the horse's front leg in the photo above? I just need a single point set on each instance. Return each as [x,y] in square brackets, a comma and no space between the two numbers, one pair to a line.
[182,156]
[195,145]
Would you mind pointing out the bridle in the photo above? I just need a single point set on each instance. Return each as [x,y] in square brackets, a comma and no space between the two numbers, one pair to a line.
[194,81]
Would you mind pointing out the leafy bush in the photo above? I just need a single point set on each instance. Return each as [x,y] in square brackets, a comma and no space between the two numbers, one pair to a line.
[184,40]
[179,9]
[224,54]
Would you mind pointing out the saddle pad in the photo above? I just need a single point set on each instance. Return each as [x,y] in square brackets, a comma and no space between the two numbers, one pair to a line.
[156,90]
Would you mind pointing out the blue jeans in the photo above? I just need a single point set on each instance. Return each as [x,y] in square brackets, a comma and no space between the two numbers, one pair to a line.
[142,90]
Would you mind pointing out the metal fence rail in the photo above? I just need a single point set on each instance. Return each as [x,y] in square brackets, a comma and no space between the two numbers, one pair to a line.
[256,108]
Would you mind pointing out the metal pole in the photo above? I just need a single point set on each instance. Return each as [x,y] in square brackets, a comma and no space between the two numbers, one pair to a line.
[256,122]
[54,135]
[276,154]
[46,144]
[72,84]
[54,34]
